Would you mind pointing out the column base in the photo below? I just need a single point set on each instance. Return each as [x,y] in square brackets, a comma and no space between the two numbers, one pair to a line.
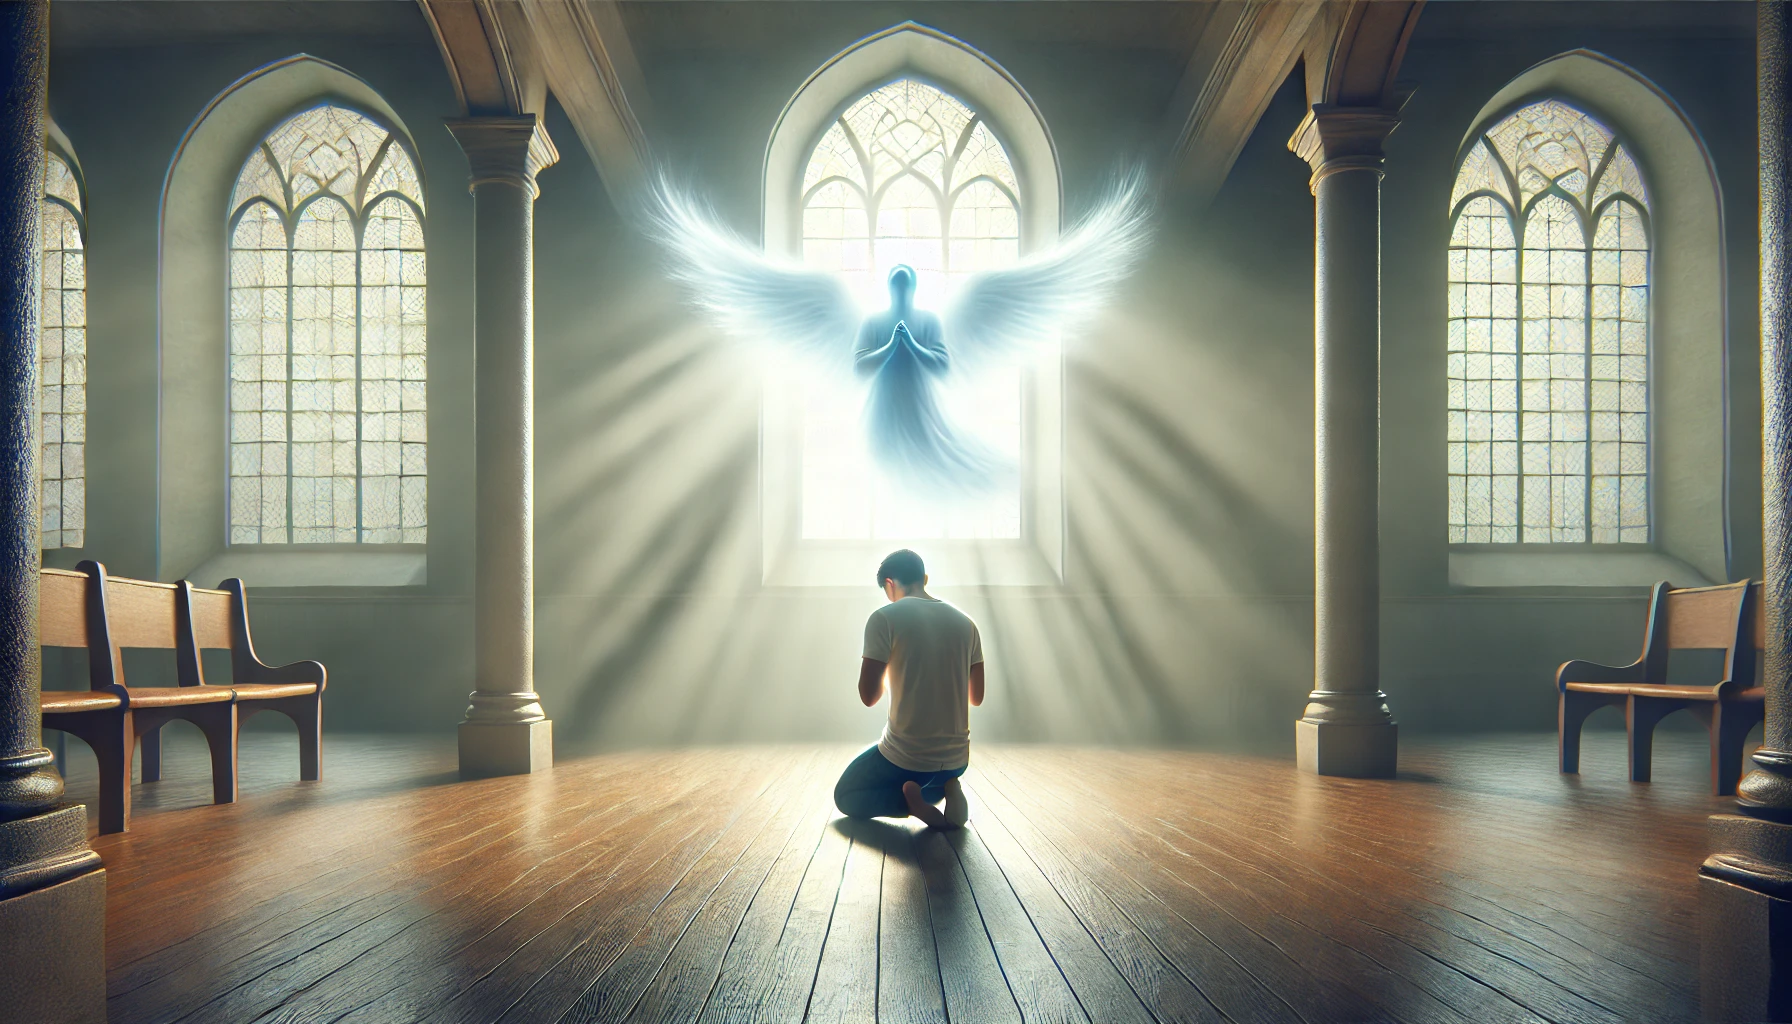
[1745,920]
[1367,751]
[53,943]
[509,748]
[1745,953]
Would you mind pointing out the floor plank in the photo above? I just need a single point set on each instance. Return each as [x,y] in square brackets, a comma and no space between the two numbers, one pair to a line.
[970,975]
[768,973]
[718,885]
[845,990]
[1039,986]
[1151,969]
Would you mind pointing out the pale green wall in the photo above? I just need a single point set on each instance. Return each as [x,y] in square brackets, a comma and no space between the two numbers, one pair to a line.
[1186,616]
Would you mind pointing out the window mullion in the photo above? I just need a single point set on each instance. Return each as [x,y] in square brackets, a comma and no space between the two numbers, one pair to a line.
[1586,370]
[291,245]
[360,319]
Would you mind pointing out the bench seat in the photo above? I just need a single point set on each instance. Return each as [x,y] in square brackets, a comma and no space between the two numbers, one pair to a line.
[271,691]
[1707,693]
[65,702]
[177,696]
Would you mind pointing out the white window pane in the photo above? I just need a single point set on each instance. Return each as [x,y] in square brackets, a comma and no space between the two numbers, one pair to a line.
[1576,307]
[327,333]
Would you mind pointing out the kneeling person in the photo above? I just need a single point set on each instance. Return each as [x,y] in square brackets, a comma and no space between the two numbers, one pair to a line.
[933,658]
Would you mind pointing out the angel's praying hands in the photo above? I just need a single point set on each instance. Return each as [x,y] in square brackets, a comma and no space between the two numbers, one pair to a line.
[901,332]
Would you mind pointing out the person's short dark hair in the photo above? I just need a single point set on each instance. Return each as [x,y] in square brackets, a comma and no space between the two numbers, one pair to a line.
[903,566]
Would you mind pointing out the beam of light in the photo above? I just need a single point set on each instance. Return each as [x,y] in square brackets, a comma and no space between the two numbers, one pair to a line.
[1186,617]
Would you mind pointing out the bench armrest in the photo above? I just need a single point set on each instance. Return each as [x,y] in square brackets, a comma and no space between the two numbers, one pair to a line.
[297,672]
[1592,672]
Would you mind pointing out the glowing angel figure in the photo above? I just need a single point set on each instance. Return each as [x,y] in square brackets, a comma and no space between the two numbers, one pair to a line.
[906,353]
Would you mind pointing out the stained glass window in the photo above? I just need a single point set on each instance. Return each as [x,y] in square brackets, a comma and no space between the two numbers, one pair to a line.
[328,437]
[1548,335]
[907,174]
[64,359]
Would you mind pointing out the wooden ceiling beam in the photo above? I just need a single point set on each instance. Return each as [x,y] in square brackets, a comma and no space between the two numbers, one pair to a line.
[591,68]
[505,56]
[1354,64]
[1243,54]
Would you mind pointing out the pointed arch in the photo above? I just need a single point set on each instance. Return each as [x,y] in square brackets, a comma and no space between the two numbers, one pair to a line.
[1653,196]
[238,190]
[986,189]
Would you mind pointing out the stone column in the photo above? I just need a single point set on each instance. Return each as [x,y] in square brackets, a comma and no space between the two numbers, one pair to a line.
[52,888]
[1745,886]
[505,731]
[1347,728]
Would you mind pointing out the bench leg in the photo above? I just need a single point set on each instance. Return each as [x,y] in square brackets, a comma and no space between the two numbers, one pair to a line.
[110,735]
[113,744]
[219,723]
[150,740]
[1572,709]
[1729,726]
[1641,715]
[307,714]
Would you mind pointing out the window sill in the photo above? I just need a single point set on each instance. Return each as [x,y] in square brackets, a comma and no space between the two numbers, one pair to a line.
[259,568]
[1489,569]
[950,563]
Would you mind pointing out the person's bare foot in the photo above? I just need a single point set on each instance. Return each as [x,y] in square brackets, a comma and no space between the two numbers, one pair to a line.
[920,808]
[958,809]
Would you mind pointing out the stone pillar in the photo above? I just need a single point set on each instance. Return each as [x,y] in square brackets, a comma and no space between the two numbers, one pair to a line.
[1347,728]
[1745,886]
[505,731]
[52,887]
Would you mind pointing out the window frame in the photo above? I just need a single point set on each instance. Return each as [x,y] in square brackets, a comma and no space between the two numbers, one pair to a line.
[1518,220]
[395,136]
[56,146]
[1692,488]
[910,51]
[192,521]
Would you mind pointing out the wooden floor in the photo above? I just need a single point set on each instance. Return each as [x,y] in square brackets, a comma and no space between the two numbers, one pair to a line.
[1093,885]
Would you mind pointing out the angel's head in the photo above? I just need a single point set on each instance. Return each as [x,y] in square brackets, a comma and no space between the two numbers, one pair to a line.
[902,285]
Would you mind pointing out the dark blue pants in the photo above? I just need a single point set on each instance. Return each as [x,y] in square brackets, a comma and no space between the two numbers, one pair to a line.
[871,787]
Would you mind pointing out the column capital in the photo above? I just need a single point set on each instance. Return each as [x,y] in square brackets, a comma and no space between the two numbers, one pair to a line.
[506,149]
[1334,138]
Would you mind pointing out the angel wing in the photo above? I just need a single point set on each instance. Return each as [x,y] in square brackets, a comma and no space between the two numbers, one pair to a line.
[1002,313]
[745,292]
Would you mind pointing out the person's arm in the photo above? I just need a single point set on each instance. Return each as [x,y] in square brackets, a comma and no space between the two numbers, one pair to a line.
[928,348]
[870,354]
[976,684]
[871,681]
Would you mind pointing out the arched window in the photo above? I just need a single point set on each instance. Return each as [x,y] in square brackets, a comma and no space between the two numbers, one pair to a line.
[328,436]
[64,360]
[1548,344]
[907,174]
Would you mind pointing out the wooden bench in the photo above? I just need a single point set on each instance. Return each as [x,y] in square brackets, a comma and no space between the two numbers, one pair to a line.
[219,620]
[1730,618]
[105,615]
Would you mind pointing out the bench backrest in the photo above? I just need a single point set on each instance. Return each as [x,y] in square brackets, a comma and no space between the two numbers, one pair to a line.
[1725,618]
[74,610]
[1705,617]
[140,613]
[217,620]
[62,608]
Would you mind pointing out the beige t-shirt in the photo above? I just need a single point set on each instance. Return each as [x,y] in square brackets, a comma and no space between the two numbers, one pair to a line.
[930,647]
